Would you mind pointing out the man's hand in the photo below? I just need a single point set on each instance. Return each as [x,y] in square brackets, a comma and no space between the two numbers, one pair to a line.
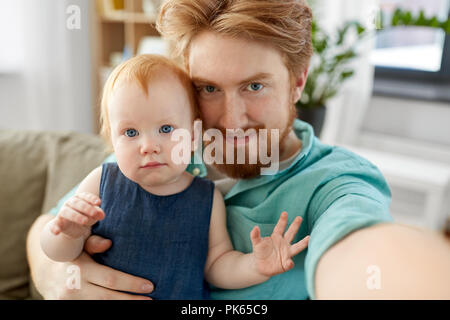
[273,255]
[97,282]
[77,215]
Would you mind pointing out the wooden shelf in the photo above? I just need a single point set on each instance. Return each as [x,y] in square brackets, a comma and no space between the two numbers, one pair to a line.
[122,30]
[120,26]
[128,17]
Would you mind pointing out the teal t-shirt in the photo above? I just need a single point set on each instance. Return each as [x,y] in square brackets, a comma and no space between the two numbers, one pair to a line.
[335,192]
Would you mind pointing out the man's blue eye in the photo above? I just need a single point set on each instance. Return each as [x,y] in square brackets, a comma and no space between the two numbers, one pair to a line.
[255,86]
[210,89]
[131,133]
[166,129]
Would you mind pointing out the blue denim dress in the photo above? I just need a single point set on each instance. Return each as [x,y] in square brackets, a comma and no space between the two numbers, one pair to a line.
[160,238]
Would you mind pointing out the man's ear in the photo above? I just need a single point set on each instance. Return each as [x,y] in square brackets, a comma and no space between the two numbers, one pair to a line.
[300,83]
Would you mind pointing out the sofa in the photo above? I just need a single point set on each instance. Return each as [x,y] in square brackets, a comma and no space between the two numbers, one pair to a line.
[36,170]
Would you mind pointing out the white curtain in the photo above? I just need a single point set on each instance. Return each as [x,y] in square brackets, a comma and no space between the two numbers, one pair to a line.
[55,67]
[345,112]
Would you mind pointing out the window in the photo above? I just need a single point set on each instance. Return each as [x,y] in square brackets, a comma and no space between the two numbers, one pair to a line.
[11,35]
[413,61]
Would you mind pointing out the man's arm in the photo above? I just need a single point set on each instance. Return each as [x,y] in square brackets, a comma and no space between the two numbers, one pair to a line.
[96,281]
[43,270]
[356,251]
[385,261]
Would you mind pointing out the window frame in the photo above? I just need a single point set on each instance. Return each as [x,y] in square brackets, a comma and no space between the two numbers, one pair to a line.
[437,81]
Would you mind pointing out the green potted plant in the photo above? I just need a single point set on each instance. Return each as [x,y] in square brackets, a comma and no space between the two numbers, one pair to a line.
[328,70]
[331,66]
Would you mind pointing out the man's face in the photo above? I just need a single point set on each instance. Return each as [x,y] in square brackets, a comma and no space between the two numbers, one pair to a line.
[242,84]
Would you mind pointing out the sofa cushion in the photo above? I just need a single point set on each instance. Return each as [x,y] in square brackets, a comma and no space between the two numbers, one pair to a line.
[36,169]
[71,157]
[23,165]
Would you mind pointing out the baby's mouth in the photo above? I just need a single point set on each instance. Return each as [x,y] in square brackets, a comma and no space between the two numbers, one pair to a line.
[151,165]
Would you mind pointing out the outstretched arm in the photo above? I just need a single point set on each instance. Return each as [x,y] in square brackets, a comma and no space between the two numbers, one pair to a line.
[386,261]
[230,269]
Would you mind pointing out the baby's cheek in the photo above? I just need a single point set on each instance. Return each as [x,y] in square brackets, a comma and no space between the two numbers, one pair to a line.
[127,163]
[178,153]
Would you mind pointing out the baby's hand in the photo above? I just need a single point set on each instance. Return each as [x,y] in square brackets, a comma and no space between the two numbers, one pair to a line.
[273,255]
[77,215]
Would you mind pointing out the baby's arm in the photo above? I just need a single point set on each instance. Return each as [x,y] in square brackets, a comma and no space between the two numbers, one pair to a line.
[62,239]
[230,269]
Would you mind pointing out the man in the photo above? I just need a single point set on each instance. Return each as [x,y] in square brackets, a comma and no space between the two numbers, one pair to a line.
[248,60]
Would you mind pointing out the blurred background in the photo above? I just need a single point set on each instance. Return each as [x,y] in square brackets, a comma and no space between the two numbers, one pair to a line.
[391,73]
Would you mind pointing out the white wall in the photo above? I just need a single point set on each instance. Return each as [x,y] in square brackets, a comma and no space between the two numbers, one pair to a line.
[56,59]
[12,102]
[409,140]
[428,122]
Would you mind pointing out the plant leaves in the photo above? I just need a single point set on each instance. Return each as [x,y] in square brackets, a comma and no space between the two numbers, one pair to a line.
[347,74]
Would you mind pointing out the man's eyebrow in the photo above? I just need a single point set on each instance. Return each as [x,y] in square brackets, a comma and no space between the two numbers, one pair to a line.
[256,77]
[203,80]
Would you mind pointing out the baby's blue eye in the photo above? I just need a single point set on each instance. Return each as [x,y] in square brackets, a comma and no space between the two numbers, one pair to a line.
[131,133]
[255,86]
[166,129]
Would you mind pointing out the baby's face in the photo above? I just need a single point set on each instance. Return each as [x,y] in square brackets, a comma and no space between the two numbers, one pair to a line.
[142,126]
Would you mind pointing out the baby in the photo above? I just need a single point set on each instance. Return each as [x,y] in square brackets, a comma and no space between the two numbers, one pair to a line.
[165,225]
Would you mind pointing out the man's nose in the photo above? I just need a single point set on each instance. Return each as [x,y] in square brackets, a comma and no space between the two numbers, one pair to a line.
[150,144]
[234,115]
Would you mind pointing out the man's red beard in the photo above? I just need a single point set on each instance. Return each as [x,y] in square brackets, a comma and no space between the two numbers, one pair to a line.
[248,170]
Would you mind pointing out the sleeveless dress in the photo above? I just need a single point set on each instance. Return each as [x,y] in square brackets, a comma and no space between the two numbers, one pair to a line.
[160,238]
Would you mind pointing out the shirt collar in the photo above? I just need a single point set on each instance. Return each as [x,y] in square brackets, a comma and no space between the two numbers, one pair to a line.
[305,133]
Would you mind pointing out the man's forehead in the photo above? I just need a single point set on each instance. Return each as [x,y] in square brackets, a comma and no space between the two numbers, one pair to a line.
[216,58]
